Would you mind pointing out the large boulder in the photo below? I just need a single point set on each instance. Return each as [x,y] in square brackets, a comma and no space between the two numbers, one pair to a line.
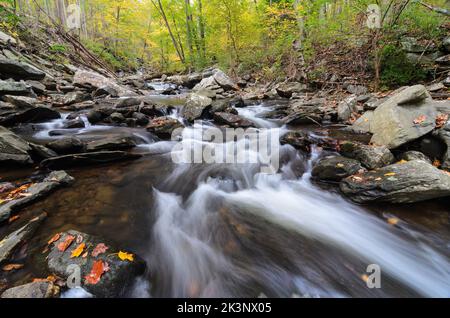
[372,157]
[89,158]
[33,115]
[67,145]
[103,273]
[408,182]
[117,142]
[216,81]
[404,117]
[35,290]
[21,101]
[335,168]
[196,107]
[305,142]
[346,108]
[19,71]
[13,149]
[96,81]
[189,80]
[35,192]
[13,241]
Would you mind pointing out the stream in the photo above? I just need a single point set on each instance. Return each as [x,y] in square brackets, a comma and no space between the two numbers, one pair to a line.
[228,230]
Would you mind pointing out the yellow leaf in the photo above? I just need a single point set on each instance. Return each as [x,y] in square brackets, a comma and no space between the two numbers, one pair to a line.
[340,165]
[365,278]
[125,256]
[390,174]
[393,221]
[77,252]
[1,201]
[402,161]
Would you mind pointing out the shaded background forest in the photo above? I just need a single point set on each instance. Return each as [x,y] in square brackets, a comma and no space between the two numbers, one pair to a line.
[267,38]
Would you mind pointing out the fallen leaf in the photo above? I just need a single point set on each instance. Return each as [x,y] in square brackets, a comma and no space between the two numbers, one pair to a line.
[2,201]
[63,246]
[13,218]
[125,256]
[12,267]
[55,238]
[402,162]
[79,239]
[419,120]
[446,172]
[77,252]
[85,254]
[436,163]
[340,165]
[359,179]
[378,179]
[98,269]
[441,120]
[365,278]
[99,249]
[390,174]
[393,221]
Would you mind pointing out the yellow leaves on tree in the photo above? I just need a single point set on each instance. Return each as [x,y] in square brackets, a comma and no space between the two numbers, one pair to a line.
[78,251]
[98,269]
[126,256]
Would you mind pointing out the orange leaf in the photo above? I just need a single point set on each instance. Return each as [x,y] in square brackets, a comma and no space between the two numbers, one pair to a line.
[419,120]
[99,249]
[441,120]
[12,267]
[13,218]
[77,252]
[63,246]
[390,174]
[393,221]
[55,238]
[98,269]
[436,163]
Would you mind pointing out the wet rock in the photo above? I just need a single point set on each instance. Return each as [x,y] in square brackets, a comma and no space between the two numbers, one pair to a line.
[19,71]
[95,116]
[336,168]
[128,101]
[21,101]
[36,290]
[13,241]
[117,117]
[164,127]
[304,141]
[39,152]
[90,158]
[414,155]
[372,157]
[79,106]
[188,81]
[114,282]
[141,119]
[13,88]
[444,136]
[196,107]
[404,117]
[222,105]
[105,91]
[112,143]
[232,120]
[74,123]
[286,90]
[408,182]
[33,115]
[35,192]
[346,108]
[304,115]
[67,145]
[373,103]
[13,149]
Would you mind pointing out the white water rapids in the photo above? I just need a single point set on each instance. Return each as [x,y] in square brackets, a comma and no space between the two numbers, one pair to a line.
[191,257]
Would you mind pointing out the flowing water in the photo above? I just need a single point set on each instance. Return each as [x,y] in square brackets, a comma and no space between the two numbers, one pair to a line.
[228,230]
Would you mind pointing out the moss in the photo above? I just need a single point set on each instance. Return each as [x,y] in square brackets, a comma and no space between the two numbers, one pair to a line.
[397,70]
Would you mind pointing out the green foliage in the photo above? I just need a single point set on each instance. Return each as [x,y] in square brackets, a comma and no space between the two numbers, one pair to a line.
[396,70]
[58,48]
[104,53]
